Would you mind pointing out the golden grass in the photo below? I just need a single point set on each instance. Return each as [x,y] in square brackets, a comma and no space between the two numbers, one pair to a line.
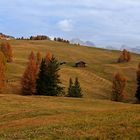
[66,118]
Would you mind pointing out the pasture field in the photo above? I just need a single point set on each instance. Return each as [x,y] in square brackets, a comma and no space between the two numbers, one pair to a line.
[47,118]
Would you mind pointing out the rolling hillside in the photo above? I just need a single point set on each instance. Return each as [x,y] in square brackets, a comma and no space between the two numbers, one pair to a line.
[92,117]
[95,78]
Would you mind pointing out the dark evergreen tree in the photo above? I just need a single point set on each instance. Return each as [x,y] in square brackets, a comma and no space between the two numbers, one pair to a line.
[41,81]
[138,84]
[70,88]
[77,88]
[48,82]
[74,90]
[54,87]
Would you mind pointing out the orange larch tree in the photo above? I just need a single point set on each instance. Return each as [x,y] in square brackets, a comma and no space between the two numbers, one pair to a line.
[31,56]
[7,51]
[2,70]
[48,57]
[29,77]
[119,83]
[128,56]
[124,57]
[39,58]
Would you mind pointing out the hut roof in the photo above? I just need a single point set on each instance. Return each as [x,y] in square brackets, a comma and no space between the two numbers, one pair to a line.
[80,62]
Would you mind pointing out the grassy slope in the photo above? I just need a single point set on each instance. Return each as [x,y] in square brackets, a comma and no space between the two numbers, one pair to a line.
[101,65]
[66,118]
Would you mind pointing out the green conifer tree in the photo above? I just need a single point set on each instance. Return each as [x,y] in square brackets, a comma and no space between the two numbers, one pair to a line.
[77,88]
[48,82]
[54,78]
[41,81]
[74,90]
[70,92]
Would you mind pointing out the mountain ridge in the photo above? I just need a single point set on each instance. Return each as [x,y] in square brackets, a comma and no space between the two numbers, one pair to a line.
[79,41]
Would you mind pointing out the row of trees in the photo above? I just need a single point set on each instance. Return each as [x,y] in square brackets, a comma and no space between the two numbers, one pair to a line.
[44,37]
[38,37]
[61,40]
[119,84]
[41,78]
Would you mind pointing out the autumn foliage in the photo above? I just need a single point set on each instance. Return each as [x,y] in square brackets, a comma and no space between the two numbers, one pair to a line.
[2,70]
[29,77]
[48,58]
[119,83]
[7,51]
[124,57]
[41,76]
[39,58]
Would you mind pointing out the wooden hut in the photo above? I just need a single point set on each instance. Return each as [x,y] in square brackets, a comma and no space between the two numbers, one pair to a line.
[80,64]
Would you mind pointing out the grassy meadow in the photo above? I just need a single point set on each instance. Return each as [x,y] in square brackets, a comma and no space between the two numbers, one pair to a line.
[44,118]
[92,117]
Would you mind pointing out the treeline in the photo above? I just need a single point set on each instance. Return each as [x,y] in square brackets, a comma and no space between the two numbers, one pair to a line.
[44,37]
[38,37]
[61,40]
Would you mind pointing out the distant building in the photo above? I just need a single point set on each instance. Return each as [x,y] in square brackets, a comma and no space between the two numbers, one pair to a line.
[80,64]
[5,37]
[62,63]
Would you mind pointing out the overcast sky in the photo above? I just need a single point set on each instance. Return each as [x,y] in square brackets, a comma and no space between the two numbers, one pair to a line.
[105,22]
